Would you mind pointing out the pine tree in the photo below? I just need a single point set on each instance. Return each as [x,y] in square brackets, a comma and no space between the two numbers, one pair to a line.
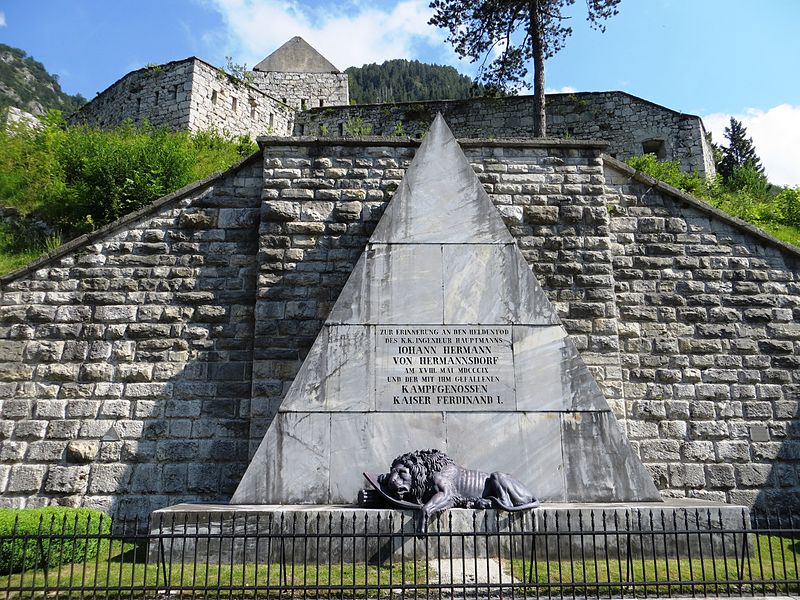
[740,152]
[522,31]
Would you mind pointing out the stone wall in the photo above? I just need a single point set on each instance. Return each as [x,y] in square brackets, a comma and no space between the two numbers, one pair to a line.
[125,360]
[161,94]
[302,91]
[629,124]
[138,365]
[221,102]
[190,95]
[708,319]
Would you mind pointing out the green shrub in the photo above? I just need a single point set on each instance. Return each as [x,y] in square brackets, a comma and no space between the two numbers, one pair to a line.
[355,126]
[789,202]
[746,194]
[668,171]
[49,537]
[748,179]
[79,178]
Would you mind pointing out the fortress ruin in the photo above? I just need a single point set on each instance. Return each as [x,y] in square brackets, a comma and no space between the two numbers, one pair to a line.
[141,364]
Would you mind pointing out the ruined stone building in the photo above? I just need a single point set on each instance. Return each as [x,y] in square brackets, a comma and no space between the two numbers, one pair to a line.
[296,91]
[191,94]
[141,364]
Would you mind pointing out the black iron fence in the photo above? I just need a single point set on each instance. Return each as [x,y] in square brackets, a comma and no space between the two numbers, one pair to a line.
[566,552]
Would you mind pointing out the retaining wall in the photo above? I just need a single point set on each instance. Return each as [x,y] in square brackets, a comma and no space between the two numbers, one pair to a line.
[126,357]
[139,367]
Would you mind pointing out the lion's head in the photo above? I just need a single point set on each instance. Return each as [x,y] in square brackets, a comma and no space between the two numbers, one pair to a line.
[411,474]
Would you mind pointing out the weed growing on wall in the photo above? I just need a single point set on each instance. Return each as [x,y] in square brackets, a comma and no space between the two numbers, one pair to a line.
[355,127]
[237,73]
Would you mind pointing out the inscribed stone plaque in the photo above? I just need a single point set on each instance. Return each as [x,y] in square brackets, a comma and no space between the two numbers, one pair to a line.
[444,368]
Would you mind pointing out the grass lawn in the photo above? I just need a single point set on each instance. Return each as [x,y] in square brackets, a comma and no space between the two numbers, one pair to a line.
[123,567]
[772,558]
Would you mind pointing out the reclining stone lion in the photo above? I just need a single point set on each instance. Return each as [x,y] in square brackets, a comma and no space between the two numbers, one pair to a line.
[431,482]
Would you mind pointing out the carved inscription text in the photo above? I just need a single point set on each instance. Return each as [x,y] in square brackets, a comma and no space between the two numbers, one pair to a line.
[444,368]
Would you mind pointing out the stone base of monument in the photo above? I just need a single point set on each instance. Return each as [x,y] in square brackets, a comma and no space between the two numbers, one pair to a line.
[332,534]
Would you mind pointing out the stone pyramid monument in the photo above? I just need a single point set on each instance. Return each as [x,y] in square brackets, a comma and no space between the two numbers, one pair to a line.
[443,338]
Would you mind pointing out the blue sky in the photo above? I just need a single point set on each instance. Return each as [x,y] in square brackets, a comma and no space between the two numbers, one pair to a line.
[713,58]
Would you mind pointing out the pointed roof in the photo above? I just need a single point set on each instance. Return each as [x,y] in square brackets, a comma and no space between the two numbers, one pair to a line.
[442,282]
[296,56]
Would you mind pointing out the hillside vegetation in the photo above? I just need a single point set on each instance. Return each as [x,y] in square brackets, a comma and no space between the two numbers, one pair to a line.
[745,194]
[63,181]
[406,81]
[26,84]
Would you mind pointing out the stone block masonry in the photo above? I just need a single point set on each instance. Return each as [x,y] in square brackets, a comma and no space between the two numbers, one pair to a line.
[188,95]
[710,344]
[302,91]
[125,373]
[629,124]
[138,365]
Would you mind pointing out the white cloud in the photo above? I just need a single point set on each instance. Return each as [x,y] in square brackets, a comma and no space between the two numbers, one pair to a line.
[357,32]
[2,19]
[567,89]
[776,137]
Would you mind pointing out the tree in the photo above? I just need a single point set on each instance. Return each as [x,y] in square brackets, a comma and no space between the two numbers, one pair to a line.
[739,154]
[521,31]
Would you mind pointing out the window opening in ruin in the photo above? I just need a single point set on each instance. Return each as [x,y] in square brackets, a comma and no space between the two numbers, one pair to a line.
[303,103]
[214,97]
[283,100]
[302,129]
[654,146]
[174,92]
[252,112]
[271,120]
[234,104]
[156,97]
[341,129]
[138,105]
[321,102]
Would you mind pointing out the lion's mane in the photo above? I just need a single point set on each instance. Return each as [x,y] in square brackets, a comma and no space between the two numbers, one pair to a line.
[423,465]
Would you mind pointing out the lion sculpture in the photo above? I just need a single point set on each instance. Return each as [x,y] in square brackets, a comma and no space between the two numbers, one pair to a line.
[432,482]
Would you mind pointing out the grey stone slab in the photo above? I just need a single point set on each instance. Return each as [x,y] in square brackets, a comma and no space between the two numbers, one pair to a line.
[550,373]
[393,284]
[710,525]
[292,463]
[307,392]
[337,373]
[600,464]
[368,442]
[348,308]
[526,446]
[492,284]
[350,372]
[297,534]
[440,199]
[444,368]
[253,533]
